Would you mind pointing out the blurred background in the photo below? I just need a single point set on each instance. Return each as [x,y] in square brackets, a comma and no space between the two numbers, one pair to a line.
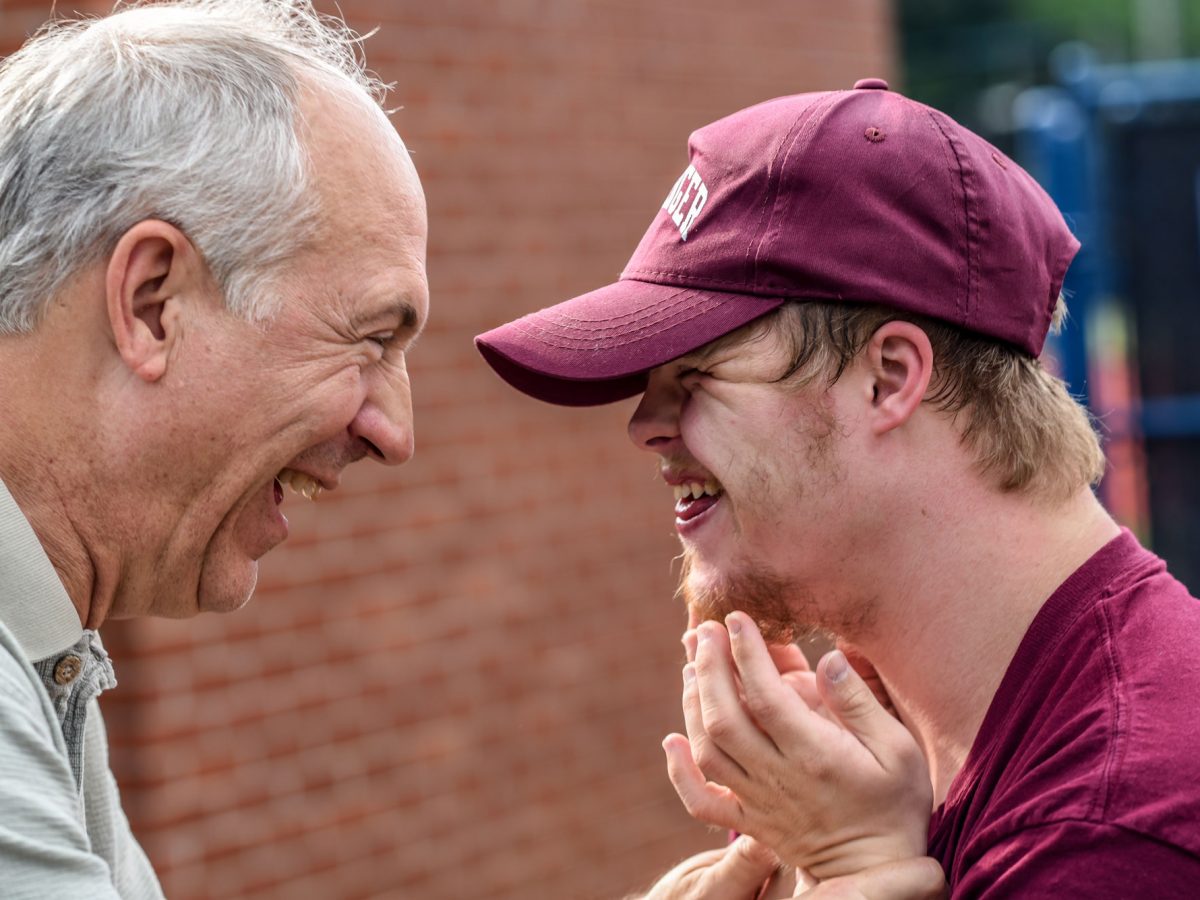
[454,677]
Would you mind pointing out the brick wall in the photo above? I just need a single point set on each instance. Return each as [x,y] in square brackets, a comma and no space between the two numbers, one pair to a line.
[455,676]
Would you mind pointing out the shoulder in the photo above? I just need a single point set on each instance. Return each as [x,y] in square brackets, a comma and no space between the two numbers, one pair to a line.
[21,693]
[1106,724]
[1152,646]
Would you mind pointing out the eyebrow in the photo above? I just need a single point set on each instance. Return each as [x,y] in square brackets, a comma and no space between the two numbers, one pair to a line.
[410,320]
[401,309]
[408,314]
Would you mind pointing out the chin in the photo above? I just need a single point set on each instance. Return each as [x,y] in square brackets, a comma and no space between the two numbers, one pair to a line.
[767,598]
[224,588]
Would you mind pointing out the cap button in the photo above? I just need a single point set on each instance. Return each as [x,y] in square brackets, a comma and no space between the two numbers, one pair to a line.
[870,84]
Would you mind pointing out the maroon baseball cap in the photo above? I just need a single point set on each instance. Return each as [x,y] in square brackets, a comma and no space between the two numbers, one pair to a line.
[860,195]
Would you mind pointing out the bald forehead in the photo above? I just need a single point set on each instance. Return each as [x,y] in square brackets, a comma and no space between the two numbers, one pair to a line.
[358,160]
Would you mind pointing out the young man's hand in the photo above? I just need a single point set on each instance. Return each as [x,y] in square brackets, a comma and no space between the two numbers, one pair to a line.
[832,792]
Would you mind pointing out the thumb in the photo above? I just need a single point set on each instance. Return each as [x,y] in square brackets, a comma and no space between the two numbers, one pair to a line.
[741,871]
[853,703]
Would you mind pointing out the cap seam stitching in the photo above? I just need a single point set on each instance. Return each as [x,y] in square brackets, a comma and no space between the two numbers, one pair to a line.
[678,298]
[566,342]
[766,215]
[972,274]
[684,275]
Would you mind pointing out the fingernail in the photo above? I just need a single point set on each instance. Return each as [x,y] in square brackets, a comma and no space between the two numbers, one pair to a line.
[734,624]
[836,667]
[704,634]
[689,674]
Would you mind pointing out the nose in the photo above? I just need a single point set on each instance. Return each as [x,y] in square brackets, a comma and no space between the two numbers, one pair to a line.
[654,425]
[384,421]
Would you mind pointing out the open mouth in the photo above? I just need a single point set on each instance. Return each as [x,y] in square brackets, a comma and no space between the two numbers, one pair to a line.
[304,485]
[695,497]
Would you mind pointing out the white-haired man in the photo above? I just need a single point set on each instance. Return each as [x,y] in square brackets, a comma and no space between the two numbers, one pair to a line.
[834,322]
[212,263]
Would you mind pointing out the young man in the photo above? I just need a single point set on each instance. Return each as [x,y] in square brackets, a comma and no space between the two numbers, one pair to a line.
[834,322]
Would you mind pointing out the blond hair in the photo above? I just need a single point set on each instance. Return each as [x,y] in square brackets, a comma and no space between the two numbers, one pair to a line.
[1026,431]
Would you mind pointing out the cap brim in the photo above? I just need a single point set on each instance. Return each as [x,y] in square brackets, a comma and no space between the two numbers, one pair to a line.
[598,347]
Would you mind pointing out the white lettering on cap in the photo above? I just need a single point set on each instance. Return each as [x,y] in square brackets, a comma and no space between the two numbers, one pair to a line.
[690,186]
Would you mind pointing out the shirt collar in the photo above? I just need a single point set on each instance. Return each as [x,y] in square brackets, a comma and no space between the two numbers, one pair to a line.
[34,605]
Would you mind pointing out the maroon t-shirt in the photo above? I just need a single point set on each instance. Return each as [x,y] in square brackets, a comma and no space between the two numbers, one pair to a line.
[1084,780]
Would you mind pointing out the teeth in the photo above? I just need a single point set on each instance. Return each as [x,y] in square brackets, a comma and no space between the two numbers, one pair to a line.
[302,484]
[694,490]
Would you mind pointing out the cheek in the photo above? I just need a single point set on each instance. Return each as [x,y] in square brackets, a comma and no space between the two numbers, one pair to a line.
[330,405]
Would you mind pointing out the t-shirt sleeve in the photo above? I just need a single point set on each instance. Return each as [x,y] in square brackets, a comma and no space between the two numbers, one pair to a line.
[1080,859]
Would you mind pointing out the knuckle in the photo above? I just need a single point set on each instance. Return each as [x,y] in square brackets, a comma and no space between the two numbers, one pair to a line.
[708,757]
[720,726]
[766,709]
[693,804]
[858,700]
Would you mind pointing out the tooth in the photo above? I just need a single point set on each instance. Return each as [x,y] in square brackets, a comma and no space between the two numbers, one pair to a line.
[710,487]
[302,484]
[697,490]
[310,487]
[679,489]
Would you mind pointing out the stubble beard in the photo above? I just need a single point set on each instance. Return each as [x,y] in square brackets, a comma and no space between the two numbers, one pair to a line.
[780,609]
[785,610]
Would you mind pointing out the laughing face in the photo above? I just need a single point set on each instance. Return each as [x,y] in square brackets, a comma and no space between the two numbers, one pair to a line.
[257,407]
[759,477]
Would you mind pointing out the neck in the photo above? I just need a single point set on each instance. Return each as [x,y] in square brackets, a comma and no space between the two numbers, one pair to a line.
[957,610]
[44,463]
[43,505]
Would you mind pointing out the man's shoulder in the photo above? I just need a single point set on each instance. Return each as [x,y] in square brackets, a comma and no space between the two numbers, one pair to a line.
[23,700]
[16,670]
[1152,785]
[1106,726]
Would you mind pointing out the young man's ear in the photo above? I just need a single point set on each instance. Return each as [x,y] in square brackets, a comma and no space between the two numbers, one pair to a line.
[152,266]
[900,359]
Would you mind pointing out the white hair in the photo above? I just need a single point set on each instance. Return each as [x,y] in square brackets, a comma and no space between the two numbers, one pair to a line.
[184,111]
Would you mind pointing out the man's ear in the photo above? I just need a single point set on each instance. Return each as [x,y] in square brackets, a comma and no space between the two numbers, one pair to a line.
[152,267]
[900,361]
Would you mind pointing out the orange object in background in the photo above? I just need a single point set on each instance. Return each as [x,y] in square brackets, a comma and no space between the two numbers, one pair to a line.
[1115,399]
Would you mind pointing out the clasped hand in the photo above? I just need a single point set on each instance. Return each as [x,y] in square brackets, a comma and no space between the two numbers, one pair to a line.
[808,763]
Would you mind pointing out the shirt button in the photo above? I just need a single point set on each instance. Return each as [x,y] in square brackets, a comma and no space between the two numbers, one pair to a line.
[67,669]
[870,84]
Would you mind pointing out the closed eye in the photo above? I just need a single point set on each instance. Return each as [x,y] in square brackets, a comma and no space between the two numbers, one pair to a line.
[384,339]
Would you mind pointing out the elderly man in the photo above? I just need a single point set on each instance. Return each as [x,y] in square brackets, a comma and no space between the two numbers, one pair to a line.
[212,262]
[834,322]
